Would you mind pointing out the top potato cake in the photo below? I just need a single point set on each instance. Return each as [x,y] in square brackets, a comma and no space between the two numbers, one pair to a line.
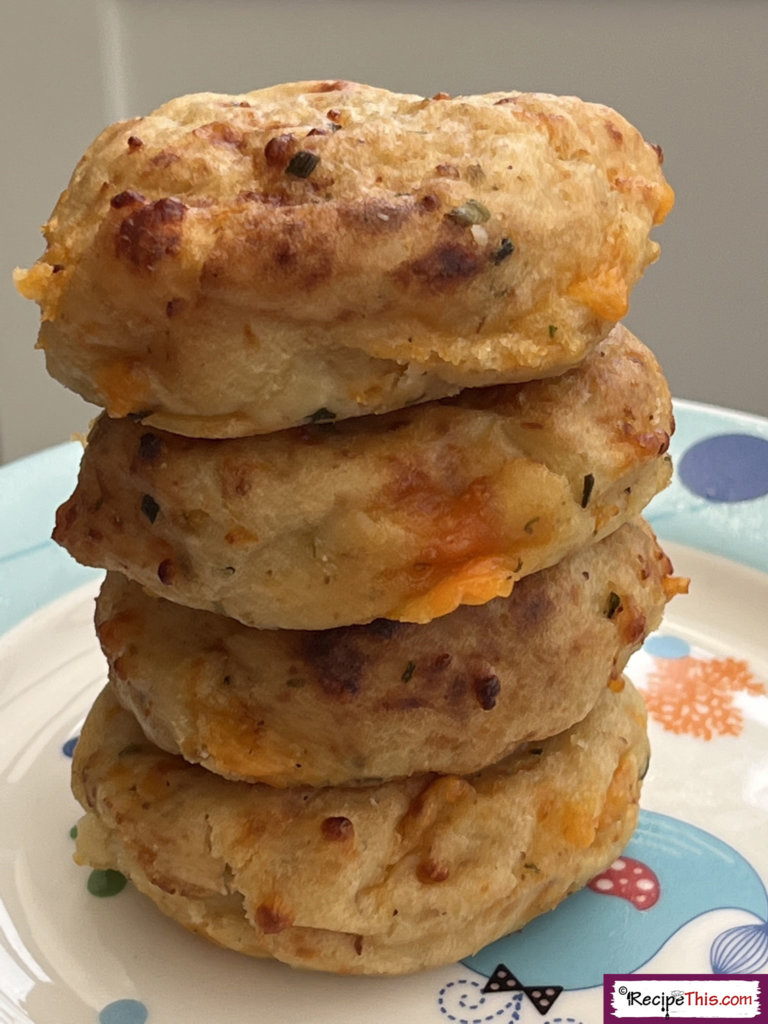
[232,265]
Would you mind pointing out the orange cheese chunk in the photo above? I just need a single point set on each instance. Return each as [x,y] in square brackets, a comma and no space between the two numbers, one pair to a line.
[606,293]
[477,582]
[123,386]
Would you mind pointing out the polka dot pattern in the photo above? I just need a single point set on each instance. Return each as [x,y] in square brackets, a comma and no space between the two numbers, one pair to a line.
[718,499]
[661,645]
[726,468]
[68,748]
[106,883]
[124,1011]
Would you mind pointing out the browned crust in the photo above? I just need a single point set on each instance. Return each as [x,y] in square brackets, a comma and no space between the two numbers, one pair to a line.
[192,277]
[430,869]
[388,699]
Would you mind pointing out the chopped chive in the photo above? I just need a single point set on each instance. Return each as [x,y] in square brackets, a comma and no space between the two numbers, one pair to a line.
[613,604]
[149,507]
[589,483]
[505,249]
[150,447]
[302,164]
[410,668]
[321,415]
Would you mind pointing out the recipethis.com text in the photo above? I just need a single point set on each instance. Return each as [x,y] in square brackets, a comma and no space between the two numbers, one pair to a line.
[690,997]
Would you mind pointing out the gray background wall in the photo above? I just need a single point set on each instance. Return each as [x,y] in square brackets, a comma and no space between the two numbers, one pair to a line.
[691,74]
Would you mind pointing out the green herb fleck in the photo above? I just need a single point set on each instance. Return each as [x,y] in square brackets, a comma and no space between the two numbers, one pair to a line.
[132,748]
[149,507]
[614,601]
[302,164]
[505,249]
[73,832]
[471,212]
[532,867]
[531,523]
[410,668]
[586,494]
[321,415]
[552,330]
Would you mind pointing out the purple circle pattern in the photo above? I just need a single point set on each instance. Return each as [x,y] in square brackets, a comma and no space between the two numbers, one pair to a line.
[726,468]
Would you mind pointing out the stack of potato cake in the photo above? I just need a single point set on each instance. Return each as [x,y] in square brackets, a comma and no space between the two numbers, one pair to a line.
[368,487]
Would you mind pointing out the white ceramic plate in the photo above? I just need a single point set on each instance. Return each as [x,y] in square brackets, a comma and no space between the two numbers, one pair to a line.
[688,897]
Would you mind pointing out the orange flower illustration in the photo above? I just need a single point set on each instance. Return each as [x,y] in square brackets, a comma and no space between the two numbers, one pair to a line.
[695,695]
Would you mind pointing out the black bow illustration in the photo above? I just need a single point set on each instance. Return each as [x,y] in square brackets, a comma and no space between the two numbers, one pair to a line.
[542,996]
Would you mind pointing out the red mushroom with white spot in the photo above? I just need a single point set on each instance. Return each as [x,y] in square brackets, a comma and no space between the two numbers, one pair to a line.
[630,880]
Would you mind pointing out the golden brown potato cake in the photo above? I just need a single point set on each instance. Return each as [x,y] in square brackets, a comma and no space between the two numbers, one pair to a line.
[363,703]
[380,879]
[231,265]
[401,516]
